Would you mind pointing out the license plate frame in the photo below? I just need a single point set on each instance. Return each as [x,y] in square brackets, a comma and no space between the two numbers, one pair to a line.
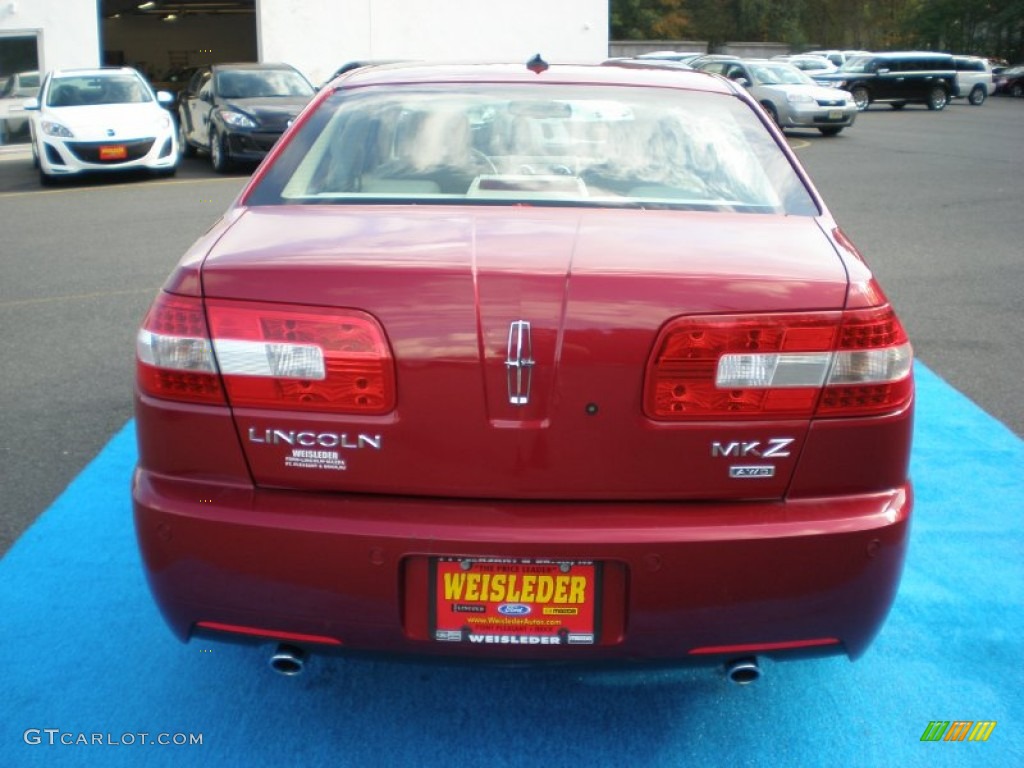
[514,602]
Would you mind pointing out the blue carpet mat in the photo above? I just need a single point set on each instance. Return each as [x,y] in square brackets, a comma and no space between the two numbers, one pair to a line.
[87,657]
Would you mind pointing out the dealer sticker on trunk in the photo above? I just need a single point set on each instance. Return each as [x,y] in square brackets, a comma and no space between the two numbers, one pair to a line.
[490,601]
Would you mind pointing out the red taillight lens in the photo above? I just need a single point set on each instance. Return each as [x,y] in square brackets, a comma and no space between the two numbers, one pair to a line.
[266,355]
[315,358]
[779,366]
[174,359]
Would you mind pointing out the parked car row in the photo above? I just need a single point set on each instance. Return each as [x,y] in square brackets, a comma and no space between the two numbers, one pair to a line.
[1010,80]
[236,112]
[887,77]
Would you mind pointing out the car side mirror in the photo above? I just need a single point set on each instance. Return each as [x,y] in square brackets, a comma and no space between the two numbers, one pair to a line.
[206,96]
[743,81]
[165,98]
[31,105]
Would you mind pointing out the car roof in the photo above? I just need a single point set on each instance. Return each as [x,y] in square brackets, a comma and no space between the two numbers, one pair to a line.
[916,54]
[260,65]
[654,75]
[94,72]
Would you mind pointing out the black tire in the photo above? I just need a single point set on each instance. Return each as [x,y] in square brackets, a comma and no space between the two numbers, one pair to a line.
[938,98]
[219,157]
[977,96]
[184,146]
[832,130]
[46,180]
[772,112]
[861,97]
[1017,90]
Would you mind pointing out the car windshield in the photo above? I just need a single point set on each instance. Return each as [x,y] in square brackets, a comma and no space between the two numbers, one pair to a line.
[778,74]
[91,90]
[261,84]
[556,145]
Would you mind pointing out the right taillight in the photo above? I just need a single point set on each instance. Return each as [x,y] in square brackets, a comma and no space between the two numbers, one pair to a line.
[794,365]
[265,355]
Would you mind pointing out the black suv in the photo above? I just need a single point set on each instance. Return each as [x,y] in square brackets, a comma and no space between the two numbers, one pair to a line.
[911,77]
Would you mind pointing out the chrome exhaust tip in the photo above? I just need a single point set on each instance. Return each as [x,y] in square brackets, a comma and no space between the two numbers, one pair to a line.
[288,660]
[743,671]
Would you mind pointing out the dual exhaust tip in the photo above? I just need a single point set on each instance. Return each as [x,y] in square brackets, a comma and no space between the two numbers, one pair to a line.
[289,660]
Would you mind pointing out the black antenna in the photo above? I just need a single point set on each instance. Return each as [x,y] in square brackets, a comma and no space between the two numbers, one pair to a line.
[537,64]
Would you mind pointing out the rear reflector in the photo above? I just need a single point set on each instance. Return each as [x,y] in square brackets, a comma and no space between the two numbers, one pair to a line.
[786,645]
[268,355]
[780,366]
[271,634]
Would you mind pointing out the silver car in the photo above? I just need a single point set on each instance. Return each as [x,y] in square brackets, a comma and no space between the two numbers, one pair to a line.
[13,121]
[792,98]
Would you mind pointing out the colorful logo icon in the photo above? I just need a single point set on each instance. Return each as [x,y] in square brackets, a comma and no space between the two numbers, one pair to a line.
[958,730]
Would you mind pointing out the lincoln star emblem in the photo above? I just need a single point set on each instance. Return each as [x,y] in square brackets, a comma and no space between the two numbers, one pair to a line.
[519,362]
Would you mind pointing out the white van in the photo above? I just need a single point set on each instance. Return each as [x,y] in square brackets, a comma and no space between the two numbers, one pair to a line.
[974,80]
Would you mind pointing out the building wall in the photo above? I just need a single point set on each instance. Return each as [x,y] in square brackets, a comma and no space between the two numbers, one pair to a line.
[318,36]
[67,30]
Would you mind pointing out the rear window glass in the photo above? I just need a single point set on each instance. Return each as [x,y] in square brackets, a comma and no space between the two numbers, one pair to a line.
[556,145]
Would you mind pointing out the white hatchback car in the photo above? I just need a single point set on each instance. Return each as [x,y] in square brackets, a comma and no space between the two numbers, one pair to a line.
[101,120]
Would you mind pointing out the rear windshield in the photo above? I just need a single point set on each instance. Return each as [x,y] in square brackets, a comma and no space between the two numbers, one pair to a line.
[555,145]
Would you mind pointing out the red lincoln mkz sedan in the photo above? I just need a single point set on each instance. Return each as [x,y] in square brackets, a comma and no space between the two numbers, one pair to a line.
[541,364]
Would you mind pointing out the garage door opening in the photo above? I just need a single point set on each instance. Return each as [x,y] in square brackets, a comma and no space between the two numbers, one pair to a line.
[166,39]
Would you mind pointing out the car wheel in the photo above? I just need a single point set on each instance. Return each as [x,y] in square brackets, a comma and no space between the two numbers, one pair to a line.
[187,150]
[1017,90]
[46,179]
[773,113]
[219,158]
[898,104]
[861,97]
[937,98]
[977,96]
[832,130]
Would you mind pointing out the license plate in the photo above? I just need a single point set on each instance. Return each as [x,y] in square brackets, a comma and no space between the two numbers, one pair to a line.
[501,601]
[114,152]
[835,114]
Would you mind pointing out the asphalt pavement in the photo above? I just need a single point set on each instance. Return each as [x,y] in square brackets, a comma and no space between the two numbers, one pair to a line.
[931,199]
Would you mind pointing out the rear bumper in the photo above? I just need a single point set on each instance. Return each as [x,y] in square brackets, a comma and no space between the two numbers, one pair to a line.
[681,582]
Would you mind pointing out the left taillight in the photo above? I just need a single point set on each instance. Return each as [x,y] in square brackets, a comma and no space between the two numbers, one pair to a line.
[789,365]
[263,355]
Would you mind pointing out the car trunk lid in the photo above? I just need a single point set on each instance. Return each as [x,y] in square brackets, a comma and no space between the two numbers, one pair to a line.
[521,339]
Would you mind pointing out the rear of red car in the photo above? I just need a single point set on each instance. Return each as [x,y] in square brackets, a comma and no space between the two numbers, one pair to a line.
[542,417]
